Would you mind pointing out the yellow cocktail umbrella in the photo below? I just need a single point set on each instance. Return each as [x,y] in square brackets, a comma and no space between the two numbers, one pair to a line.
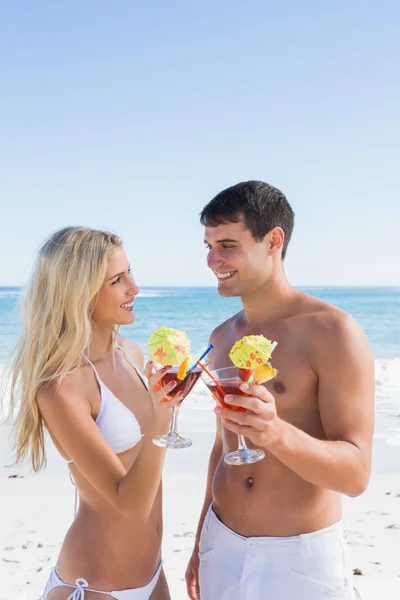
[168,346]
[251,351]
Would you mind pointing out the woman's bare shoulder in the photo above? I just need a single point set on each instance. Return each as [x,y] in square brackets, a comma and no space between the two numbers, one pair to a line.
[76,387]
[133,350]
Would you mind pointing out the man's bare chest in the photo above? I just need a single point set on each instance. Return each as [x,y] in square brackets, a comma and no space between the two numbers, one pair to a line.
[296,385]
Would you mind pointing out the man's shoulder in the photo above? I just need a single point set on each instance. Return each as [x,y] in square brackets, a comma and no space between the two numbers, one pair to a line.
[328,324]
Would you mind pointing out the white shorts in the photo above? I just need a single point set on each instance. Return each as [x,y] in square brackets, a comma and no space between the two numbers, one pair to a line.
[312,566]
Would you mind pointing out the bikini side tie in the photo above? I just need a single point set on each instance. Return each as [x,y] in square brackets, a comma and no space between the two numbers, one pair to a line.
[79,593]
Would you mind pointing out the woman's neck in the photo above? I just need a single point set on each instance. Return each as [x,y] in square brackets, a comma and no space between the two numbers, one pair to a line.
[102,345]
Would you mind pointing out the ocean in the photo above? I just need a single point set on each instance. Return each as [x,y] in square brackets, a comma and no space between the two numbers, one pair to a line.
[198,310]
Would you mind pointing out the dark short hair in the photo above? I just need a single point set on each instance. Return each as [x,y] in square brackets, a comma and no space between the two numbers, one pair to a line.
[261,206]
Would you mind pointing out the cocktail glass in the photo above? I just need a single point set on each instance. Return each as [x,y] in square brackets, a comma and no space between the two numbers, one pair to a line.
[173,439]
[227,381]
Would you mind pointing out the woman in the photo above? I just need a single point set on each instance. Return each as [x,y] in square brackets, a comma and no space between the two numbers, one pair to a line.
[73,377]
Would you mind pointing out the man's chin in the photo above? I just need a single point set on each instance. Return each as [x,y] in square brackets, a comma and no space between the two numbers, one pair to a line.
[227,292]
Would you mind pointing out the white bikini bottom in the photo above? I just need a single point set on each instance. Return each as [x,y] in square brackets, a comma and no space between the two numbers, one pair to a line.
[81,585]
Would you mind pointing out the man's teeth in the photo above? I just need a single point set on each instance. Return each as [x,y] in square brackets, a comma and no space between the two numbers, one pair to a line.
[225,275]
[127,305]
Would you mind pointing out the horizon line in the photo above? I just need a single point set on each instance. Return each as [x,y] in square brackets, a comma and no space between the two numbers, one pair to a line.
[308,285]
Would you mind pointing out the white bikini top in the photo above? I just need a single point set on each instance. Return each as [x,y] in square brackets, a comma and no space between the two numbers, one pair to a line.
[116,422]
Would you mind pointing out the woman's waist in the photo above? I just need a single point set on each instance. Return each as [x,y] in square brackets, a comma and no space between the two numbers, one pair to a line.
[104,522]
[110,555]
[94,503]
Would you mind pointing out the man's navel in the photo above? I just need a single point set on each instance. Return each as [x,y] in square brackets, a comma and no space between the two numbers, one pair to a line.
[249,483]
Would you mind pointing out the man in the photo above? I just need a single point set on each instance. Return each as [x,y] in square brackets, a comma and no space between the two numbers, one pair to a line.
[272,530]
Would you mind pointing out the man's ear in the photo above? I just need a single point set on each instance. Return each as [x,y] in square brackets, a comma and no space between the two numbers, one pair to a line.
[275,238]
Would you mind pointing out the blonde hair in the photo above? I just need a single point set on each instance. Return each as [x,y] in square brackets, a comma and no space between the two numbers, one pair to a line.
[58,305]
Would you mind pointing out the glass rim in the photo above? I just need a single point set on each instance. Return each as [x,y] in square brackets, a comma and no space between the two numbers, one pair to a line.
[175,369]
[216,372]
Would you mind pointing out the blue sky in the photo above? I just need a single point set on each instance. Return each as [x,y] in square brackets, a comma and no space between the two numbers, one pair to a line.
[131,116]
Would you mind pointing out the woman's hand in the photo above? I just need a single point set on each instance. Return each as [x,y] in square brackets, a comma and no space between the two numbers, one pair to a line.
[158,392]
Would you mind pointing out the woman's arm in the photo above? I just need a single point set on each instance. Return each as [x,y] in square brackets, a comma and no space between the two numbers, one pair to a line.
[67,414]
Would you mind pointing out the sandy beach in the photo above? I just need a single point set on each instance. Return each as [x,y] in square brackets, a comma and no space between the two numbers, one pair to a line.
[37,510]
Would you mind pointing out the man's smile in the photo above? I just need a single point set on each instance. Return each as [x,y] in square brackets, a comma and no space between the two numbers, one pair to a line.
[226,275]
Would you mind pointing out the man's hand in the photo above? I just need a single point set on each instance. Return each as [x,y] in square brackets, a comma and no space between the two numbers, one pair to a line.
[192,576]
[259,422]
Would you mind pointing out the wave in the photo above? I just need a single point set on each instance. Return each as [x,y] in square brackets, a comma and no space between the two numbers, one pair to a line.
[5,293]
[149,295]
[394,441]
[387,375]
[166,292]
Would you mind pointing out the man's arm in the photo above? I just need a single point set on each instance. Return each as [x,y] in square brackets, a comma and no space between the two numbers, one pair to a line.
[346,392]
[345,369]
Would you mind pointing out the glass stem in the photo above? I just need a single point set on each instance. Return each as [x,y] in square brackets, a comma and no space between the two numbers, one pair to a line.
[175,410]
[242,443]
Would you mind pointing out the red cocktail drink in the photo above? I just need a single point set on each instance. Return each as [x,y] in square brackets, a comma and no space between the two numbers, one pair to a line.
[224,389]
[186,385]
[225,381]
[173,439]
